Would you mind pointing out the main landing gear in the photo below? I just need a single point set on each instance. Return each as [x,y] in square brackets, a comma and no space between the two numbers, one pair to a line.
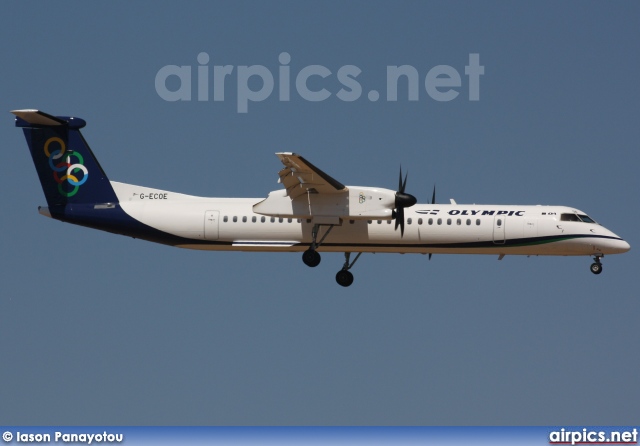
[596,268]
[344,276]
[312,259]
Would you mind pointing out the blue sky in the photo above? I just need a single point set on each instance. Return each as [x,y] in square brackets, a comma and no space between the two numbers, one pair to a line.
[101,329]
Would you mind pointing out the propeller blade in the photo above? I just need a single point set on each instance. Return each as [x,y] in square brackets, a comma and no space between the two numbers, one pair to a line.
[403,200]
[433,198]
[400,221]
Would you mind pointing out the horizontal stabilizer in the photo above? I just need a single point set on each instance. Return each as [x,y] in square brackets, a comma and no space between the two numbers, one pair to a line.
[30,118]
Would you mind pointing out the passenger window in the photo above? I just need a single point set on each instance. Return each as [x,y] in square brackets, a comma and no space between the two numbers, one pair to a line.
[499,222]
[225,219]
[235,219]
[289,220]
[244,219]
[478,222]
[280,220]
[448,221]
[379,222]
[419,221]
[430,221]
[439,221]
[468,222]
[459,222]
[262,219]
[273,219]
[409,221]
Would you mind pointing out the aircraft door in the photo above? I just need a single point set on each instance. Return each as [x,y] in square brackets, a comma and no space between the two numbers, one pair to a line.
[530,228]
[499,222]
[211,219]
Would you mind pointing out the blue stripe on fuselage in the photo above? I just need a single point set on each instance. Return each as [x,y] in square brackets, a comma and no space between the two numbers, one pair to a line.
[112,218]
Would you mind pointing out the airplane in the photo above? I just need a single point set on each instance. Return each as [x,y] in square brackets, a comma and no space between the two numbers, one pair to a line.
[313,213]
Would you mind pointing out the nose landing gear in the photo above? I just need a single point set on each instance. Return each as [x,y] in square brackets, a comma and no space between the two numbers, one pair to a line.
[596,268]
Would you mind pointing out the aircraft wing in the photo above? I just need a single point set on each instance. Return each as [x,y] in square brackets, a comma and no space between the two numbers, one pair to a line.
[299,176]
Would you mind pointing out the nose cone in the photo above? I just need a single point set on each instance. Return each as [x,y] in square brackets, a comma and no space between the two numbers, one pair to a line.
[608,242]
[622,246]
[614,246]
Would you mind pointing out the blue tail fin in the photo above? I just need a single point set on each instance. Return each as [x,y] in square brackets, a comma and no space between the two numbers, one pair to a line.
[68,170]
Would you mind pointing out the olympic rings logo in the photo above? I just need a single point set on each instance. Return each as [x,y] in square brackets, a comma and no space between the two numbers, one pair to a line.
[70,169]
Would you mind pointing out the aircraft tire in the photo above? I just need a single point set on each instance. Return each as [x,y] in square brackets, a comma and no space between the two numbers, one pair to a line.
[344,278]
[596,268]
[311,258]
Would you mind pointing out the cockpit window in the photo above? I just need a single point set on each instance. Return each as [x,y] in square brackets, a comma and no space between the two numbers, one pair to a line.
[585,218]
[576,217]
[569,217]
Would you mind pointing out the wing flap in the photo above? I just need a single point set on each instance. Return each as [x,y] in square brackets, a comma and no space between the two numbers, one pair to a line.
[299,177]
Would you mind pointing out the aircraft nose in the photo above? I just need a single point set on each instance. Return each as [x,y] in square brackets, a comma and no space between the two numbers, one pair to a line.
[613,243]
[623,246]
[618,246]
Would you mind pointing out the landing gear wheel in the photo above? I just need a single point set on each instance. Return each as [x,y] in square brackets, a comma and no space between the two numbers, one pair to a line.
[311,258]
[344,278]
[596,268]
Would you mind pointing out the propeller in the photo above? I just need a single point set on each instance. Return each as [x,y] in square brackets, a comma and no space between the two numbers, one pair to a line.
[433,201]
[403,200]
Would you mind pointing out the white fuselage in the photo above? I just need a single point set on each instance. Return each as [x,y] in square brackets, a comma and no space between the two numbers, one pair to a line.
[430,228]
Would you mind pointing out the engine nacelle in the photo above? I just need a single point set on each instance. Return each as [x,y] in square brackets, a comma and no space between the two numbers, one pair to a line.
[367,203]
